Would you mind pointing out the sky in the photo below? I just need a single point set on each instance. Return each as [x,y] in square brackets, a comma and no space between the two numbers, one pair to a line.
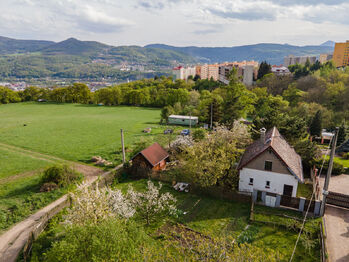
[178,22]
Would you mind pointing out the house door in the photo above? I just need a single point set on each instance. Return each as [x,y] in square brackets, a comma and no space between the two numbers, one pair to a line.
[288,190]
[270,201]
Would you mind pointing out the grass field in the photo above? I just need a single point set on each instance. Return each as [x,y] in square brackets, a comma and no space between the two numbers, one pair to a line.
[68,131]
[218,218]
[73,131]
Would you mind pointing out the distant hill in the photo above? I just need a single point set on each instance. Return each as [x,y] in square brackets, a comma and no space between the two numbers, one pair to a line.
[273,53]
[11,46]
[73,46]
[329,43]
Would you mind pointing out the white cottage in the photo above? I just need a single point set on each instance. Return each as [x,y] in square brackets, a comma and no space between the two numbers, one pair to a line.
[270,164]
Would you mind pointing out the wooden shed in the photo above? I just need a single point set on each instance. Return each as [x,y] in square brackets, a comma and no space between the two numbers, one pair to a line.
[153,157]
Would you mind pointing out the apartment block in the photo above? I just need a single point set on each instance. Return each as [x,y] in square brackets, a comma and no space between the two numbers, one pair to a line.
[292,60]
[341,54]
[246,71]
[183,73]
[324,58]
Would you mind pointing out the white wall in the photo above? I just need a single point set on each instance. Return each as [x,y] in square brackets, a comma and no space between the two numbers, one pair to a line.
[277,181]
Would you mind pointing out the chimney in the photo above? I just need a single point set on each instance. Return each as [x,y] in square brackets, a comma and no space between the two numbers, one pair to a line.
[263,130]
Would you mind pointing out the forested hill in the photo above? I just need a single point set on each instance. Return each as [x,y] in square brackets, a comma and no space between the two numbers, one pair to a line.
[11,46]
[273,53]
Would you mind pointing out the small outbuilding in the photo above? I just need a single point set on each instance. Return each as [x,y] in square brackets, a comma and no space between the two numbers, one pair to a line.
[153,157]
[183,120]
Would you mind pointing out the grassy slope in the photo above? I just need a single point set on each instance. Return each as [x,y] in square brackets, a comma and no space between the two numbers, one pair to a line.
[13,163]
[219,218]
[72,131]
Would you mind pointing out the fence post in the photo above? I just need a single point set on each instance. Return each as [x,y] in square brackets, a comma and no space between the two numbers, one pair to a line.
[301,204]
[254,195]
[317,207]
[278,201]
[263,196]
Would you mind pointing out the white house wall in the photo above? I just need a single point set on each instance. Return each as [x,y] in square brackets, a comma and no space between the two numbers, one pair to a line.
[277,181]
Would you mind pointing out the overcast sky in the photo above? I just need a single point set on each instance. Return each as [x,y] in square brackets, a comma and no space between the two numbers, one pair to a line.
[178,22]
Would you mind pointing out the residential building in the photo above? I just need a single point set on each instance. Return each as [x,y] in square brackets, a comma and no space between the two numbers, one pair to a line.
[292,60]
[183,73]
[209,71]
[153,157]
[246,71]
[183,120]
[341,54]
[324,58]
[280,70]
[271,165]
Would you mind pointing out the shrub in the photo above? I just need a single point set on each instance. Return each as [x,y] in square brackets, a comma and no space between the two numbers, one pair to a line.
[110,240]
[199,134]
[337,169]
[60,175]
[346,156]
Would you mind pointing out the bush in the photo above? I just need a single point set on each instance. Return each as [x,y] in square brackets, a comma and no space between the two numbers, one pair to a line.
[337,169]
[60,175]
[199,134]
[346,156]
[111,240]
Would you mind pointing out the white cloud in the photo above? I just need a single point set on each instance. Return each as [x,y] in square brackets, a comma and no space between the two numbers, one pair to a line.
[178,22]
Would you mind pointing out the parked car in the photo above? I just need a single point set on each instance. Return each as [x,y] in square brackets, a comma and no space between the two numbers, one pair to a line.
[185,132]
[168,131]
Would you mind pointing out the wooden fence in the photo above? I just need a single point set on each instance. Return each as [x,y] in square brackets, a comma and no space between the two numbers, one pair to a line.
[338,199]
[323,235]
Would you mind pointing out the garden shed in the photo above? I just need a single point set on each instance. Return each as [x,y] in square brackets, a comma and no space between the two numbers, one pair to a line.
[153,157]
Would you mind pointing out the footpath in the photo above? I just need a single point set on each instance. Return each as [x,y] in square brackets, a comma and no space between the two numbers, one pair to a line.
[13,240]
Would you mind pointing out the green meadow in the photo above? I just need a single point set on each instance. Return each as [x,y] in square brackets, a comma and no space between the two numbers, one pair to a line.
[73,131]
[34,136]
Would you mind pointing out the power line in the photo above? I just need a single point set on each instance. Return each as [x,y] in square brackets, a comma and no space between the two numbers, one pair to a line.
[311,199]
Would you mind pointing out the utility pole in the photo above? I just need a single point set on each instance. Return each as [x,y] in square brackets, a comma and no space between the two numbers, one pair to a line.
[329,172]
[123,146]
[211,115]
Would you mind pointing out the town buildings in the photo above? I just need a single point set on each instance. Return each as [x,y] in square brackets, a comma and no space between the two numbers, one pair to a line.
[324,58]
[246,71]
[341,54]
[270,165]
[292,60]
[183,73]
[280,70]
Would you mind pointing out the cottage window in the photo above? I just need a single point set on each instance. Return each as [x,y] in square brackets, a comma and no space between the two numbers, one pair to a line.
[251,182]
[267,184]
[268,165]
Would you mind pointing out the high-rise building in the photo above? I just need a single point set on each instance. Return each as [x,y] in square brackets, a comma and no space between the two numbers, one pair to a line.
[246,71]
[341,54]
[292,60]
[325,58]
[183,73]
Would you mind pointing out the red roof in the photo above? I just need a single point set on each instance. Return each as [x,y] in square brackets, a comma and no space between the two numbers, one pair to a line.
[154,154]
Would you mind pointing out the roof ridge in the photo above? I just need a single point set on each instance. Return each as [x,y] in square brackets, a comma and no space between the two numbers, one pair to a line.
[272,136]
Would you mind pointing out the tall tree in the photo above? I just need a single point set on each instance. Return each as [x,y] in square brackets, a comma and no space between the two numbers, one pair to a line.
[342,135]
[316,124]
[263,70]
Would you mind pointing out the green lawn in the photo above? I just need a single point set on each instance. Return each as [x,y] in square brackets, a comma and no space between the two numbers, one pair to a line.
[73,131]
[12,163]
[219,218]
[22,197]
[344,162]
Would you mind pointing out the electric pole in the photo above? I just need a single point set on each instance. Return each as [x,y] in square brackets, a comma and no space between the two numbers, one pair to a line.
[329,172]
[211,117]
[123,146]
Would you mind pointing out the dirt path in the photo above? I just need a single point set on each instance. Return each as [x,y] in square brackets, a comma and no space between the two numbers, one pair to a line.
[337,229]
[338,184]
[86,170]
[13,240]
